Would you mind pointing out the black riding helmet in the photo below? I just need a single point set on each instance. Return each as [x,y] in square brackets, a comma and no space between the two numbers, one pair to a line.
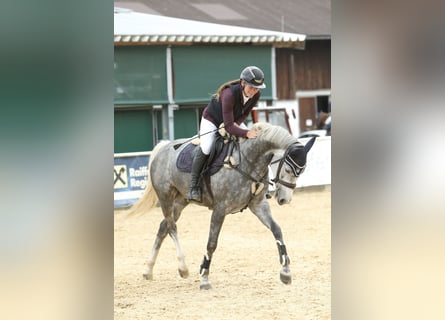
[253,76]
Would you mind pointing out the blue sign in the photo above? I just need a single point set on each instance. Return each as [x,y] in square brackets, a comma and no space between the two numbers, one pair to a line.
[130,178]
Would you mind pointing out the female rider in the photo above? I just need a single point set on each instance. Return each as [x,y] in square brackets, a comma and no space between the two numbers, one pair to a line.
[231,104]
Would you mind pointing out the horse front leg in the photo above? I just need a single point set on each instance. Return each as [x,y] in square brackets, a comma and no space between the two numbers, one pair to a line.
[262,211]
[216,223]
[285,273]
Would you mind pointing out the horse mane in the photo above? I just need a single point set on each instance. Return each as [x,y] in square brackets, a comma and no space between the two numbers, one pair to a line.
[149,198]
[275,134]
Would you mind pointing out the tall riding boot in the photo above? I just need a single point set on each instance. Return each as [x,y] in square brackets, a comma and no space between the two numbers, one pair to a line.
[198,163]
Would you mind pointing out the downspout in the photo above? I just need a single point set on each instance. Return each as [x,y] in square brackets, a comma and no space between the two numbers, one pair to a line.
[273,70]
[171,103]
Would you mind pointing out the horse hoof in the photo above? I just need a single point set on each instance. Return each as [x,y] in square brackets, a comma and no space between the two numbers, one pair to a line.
[147,276]
[286,277]
[183,273]
[205,286]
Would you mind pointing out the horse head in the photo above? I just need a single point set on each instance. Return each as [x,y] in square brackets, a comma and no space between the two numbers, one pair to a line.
[290,166]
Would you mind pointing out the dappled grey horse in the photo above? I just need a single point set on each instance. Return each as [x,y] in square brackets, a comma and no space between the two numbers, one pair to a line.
[241,184]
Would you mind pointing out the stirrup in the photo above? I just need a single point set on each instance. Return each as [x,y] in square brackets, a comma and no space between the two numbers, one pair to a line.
[195,194]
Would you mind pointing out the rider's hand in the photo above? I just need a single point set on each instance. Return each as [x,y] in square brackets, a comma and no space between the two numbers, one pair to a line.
[251,134]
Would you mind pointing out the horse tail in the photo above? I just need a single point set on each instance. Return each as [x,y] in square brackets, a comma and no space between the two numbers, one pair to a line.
[149,198]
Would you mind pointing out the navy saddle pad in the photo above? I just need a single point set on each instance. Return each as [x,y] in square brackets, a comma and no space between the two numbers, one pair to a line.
[185,160]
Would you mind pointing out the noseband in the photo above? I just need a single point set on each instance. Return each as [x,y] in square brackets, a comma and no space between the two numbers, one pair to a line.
[296,169]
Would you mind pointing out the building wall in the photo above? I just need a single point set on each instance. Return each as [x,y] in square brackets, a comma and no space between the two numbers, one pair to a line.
[308,69]
[140,79]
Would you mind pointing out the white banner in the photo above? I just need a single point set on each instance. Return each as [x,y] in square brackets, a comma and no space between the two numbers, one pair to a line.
[318,165]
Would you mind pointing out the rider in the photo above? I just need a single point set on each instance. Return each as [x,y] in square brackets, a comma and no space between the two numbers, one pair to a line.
[230,105]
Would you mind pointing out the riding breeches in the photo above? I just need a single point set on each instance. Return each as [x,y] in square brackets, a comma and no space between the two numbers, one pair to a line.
[207,134]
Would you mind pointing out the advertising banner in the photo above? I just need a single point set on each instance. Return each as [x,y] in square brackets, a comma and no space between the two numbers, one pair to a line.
[130,177]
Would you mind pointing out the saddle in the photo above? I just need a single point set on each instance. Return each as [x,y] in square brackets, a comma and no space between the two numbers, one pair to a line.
[216,160]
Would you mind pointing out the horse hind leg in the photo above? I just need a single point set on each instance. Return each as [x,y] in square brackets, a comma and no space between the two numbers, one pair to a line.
[179,204]
[162,233]
[168,226]
[182,268]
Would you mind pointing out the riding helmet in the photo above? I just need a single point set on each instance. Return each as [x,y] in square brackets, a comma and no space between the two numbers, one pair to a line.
[253,76]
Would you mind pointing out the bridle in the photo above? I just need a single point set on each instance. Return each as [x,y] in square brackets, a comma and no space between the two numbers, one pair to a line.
[296,169]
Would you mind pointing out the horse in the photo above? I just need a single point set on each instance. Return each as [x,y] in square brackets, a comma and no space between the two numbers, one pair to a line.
[235,187]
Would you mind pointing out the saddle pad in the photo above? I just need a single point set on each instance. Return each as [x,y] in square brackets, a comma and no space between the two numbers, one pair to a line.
[185,159]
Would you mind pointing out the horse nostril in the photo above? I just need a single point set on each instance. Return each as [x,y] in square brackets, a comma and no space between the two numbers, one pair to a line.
[281,201]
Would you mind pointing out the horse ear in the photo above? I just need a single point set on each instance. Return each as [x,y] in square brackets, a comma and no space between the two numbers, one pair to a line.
[309,144]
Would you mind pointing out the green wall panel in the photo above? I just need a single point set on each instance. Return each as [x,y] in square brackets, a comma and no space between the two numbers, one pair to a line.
[133,131]
[200,70]
[140,75]
[185,123]
[140,78]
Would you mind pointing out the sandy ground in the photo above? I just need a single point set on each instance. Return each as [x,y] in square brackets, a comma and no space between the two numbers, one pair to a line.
[245,267]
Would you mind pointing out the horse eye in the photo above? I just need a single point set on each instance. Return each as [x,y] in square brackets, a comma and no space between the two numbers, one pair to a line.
[288,171]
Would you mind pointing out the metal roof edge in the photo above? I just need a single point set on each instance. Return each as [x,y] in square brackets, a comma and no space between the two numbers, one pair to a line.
[213,39]
[318,37]
[148,29]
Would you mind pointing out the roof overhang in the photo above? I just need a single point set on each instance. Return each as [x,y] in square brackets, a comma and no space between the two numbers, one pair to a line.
[132,28]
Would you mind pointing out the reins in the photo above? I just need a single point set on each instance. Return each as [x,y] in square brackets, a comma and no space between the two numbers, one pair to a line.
[236,166]
[176,146]
[258,185]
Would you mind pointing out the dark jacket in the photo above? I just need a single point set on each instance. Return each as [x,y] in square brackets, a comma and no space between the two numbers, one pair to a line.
[229,109]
